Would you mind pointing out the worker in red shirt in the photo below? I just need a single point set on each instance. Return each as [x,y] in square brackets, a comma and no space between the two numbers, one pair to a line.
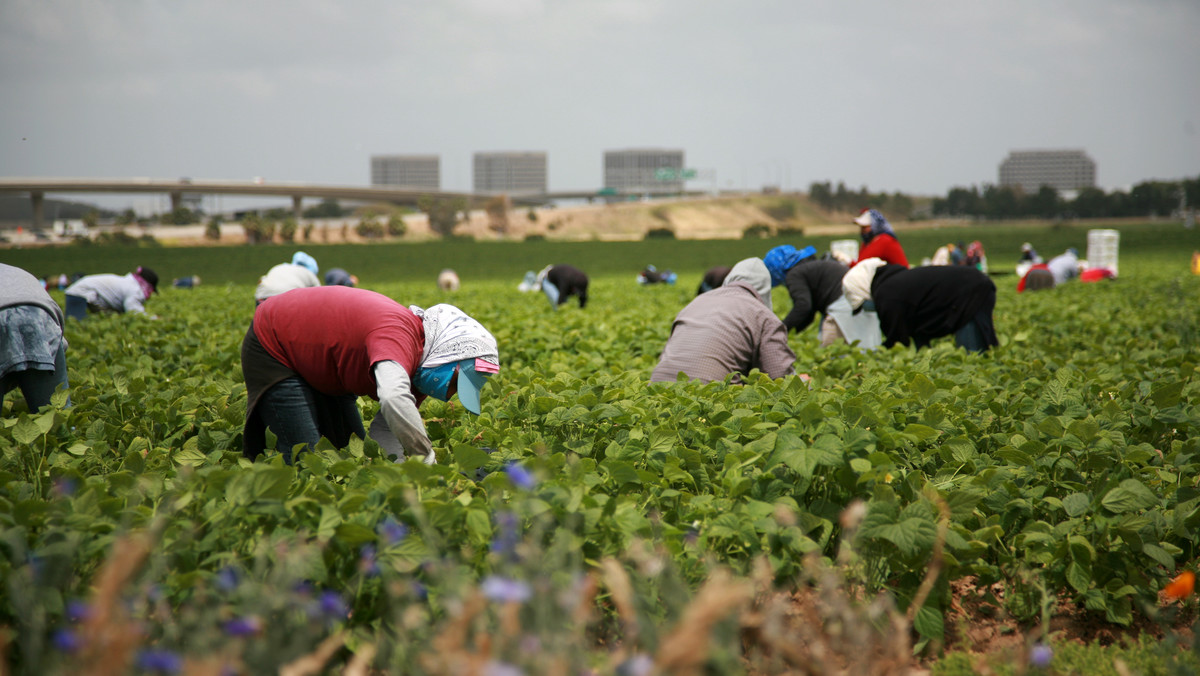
[879,240]
[311,352]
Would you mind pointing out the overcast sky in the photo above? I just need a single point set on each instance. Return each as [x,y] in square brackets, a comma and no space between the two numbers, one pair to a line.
[913,96]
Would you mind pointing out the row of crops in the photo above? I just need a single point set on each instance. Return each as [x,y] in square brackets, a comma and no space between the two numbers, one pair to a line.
[1067,461]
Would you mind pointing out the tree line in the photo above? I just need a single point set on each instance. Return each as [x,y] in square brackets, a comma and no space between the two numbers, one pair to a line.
[996,202]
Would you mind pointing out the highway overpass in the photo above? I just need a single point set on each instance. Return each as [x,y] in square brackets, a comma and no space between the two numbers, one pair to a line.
[37,188]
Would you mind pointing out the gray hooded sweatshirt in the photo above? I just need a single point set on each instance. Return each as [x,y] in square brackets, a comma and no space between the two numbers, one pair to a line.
[728,330]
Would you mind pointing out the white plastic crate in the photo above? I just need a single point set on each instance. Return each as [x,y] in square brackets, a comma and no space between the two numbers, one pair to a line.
[1103,247]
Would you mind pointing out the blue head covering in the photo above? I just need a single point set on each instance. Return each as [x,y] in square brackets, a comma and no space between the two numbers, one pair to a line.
[781,259]
[301,258]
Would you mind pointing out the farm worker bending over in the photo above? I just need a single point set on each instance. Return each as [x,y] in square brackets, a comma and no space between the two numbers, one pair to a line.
[921,304]
[728,330]
[111,293]
[1058,270]
[879,239]
[33,352]
[713,278]
[299,274]
[339,277]
[310,353]
[816,286]
[560,282]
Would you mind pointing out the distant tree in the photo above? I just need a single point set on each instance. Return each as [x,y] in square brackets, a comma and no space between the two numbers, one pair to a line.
[1044,204]
[1090,203]
[287,229]
[497,212]
[213,229]
[328,208]
[396,227]
[821,194]
[369,226]
[443,213]
[127,217]
[91,218]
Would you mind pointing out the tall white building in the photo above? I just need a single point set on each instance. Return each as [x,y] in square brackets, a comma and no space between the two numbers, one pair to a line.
[512,173]
[1063,170]
[648,170]
[419,172]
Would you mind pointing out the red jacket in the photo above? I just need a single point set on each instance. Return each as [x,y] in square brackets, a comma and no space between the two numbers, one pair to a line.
[883,246]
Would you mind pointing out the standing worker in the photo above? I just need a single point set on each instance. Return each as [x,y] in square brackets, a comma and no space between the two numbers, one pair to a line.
[728,330]
[310,353]
[560,282]
[924,303]
[301,273]
[111,293]
[33,351]
[879,239]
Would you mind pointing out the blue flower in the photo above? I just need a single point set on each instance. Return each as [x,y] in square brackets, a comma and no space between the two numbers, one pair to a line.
[506,541]
[159,661]
[419,590]
[366,561]
[332,605]
[392,531]
[640,664]
[78,611]
[243,626]
[65,486]
[504,589]
[227,579]
[66,641]
[494,668]
[1040,656]
[519,476]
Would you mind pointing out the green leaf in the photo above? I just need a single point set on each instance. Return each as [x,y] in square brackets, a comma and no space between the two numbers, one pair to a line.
[469,458]
[1130,495]
[1079,576]
[1160,556]
[621,472]
[1167,395]
[1077,504]
[922,386]
[354,534]
[26,431]
[930,623]
[479,525]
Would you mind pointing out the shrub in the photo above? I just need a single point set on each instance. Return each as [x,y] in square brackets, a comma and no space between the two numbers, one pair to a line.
[660,233]
[756,231]
[396,227]
[213,229]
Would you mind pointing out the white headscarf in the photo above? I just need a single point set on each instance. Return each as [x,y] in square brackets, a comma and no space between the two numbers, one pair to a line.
[752,271]
[451,335]
[857,283]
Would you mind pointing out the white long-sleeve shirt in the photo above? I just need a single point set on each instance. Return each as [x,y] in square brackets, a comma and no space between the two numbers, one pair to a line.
[110,292]
[284,277]
[398,429]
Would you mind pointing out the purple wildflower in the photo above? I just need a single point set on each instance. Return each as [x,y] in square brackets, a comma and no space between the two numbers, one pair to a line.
[66,641]
[159,661]
[519,476]
[78,611]
[392,531]
[64,486]
[508,538]
[332,605]
[243,626]
[1040,656]
[499,588]
[419,590]
[367,564]
[227,579]
[494,668]
[640,664]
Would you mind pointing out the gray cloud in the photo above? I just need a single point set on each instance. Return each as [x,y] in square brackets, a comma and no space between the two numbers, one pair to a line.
[914,96]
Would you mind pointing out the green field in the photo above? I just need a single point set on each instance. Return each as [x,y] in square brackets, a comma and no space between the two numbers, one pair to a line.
[1154,243]
[1064,468]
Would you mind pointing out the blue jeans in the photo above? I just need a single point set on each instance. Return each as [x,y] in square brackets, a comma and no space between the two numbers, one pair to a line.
[298,414]
[76,307]
[37,386]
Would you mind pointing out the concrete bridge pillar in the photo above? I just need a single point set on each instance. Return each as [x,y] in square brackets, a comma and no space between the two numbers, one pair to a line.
[38,200]
[176,201]
[297,211]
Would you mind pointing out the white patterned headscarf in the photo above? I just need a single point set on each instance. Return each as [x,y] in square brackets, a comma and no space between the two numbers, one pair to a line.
[451,335]
[857,283]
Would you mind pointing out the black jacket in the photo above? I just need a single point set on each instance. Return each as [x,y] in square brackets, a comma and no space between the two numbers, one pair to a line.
[813,286]
[921,304]
[570,281]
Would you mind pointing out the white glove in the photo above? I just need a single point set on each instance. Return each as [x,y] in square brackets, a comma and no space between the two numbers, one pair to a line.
[431,459]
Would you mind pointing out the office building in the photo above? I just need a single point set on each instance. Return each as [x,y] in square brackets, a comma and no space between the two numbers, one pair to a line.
[511,173]
[417,172]
[644,170]
[1063,170]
